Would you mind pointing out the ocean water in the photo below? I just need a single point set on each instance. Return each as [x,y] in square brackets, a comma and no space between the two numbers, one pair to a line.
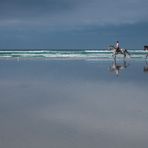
[73,103]
[66,53]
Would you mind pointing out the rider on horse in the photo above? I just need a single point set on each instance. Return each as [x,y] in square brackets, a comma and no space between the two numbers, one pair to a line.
[117,46]
[117,50]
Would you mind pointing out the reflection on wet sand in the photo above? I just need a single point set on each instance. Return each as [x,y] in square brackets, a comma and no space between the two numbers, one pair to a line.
[65,104]
[117,67]
[145,69]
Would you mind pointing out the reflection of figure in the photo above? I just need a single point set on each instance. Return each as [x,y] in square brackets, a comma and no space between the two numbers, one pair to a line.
[118,67]
[145,69]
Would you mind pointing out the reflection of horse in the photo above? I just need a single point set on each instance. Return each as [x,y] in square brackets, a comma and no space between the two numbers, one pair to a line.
[118,67]
[118,51]
[145,69]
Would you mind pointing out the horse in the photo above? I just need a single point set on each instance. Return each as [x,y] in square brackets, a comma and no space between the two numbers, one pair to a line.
[122,51]
[118,67]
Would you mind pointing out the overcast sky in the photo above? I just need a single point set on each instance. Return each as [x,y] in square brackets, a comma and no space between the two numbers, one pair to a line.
[73,23]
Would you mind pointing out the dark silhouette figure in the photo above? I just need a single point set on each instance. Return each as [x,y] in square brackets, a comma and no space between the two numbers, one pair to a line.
[146,49]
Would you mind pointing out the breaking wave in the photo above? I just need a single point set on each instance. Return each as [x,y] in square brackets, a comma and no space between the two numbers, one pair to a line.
[67,53]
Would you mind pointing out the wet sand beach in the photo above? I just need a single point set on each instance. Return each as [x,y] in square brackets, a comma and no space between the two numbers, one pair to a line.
[73,103]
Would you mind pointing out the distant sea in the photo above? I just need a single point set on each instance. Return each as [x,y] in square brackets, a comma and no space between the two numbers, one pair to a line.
[66,53]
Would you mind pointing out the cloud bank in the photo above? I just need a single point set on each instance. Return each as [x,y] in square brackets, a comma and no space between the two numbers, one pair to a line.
[72,13]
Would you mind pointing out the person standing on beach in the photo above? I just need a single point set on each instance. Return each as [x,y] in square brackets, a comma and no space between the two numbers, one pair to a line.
[117,46]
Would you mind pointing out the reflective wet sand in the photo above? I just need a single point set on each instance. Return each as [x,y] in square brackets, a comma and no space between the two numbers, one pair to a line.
[73,104]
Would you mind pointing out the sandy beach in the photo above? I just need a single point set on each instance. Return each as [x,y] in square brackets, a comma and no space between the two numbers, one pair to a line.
[73,103]
[73,74]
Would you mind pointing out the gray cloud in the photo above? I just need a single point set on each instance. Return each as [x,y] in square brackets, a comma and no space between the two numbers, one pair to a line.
[30,9]
[72,13]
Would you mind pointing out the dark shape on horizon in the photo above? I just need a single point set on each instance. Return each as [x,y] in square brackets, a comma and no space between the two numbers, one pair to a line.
[116,68]
[122,51]
[146,49]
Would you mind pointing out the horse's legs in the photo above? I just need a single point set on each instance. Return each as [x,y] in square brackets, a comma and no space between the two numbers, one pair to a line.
[127,52]
[124,55]
[115,60]
[115,56]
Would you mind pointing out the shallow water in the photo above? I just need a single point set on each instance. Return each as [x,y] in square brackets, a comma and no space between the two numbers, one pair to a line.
[68,53]
[73,104]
